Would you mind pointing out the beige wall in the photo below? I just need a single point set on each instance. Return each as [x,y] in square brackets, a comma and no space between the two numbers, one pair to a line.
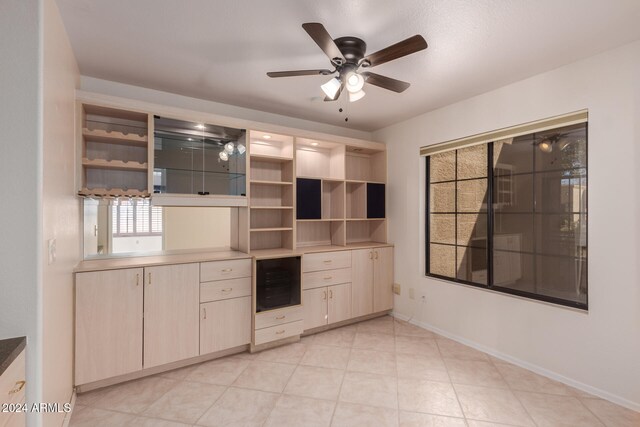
[192,228]
[595,350]
[60,212]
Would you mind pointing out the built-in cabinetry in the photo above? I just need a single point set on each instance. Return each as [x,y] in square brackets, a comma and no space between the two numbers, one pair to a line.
[371,287]
[12,382]
[113,152]
[189,309]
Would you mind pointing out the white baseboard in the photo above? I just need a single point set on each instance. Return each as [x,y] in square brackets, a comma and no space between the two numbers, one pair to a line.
[635,406]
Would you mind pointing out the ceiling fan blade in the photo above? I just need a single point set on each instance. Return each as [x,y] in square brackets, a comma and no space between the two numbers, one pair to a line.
[398,50]
[322,38]
[299,73]
[327,99]
[385,82]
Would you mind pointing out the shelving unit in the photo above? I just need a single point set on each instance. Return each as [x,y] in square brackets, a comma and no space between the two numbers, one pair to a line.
[113,152]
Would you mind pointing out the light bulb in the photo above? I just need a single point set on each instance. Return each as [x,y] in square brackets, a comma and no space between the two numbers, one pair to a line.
[331,87]
[545,146]
[223,156]
[354,96]
[355,82]
[241,149]
[200,126]
[229,147]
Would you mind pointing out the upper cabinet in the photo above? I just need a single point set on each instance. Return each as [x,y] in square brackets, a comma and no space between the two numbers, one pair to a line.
[113,153]
[198,159]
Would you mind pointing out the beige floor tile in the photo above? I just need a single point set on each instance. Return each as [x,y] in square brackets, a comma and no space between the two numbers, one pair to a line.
[353,415]
[421,367]
[476,423]
[265,376]
[417,345]
[612,415]
[455,350]
[247,355]
[492,404]
[221,371]
[301,411]
[416,419]
[375,362]
[290,353]
[428,396]
[135,396]
[178,374]
[379,342]
[341,337]
[407,329]
[370,389]
[312,381]
[154,422]
[524,380]
[326,357]
[95,417]
[379,325]
[240,407]
[89,398]
[474,372]
[186,402]
[557,411]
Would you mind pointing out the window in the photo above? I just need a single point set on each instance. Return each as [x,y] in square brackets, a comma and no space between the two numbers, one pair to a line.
[136,218]
[510,214]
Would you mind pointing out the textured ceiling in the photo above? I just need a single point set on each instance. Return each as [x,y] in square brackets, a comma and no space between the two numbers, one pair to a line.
[221,50]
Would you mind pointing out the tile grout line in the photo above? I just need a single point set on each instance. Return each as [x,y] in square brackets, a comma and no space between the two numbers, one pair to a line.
[455,392]
[513,392]
[344,374]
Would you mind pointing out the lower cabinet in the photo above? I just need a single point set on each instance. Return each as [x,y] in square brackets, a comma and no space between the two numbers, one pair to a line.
[372,283]
[225,324]
[171,302]
[326,305]
[108,335]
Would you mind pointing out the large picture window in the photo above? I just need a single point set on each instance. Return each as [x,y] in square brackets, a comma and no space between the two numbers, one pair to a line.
[510,215]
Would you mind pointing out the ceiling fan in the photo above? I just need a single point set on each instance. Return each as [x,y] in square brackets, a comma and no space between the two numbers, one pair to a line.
[347,55]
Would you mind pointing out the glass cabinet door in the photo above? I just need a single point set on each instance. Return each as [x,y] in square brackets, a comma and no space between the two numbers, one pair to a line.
[196,158]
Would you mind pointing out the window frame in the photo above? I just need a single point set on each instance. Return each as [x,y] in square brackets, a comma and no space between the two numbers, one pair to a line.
[115,212]
[490,231]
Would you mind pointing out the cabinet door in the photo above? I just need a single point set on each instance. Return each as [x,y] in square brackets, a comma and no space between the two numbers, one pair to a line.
[361,282]
[339,307]
[314,303]
[225,324]
[108,324]
[171,321]
[383,279]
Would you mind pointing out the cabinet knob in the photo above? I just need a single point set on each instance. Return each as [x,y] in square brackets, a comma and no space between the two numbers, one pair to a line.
[19,386]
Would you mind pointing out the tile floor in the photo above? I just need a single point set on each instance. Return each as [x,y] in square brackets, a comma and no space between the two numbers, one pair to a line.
[381,372]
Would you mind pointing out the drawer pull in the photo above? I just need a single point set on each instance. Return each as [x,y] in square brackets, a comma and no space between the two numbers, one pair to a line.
[137,279]
[227,270]
[370,255]
[149,279]
[204,312]
[325,296]
[328,277]
[376,256]
[280,332]
[328,261]
[330,294]
[18,387]
[227,290]
[280,317]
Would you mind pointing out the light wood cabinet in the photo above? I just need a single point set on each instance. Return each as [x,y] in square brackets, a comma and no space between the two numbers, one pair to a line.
[382,279]
[108,332]
[372,283]
[225,324]
[326,305]
[13,391]
[171,321]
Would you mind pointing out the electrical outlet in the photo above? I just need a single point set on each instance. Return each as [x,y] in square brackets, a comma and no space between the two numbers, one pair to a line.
[411,293]
[396,288]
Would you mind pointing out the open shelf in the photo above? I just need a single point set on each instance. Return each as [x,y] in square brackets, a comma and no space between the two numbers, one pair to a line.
[262,230]
[356,200]
[366,231]
[271,219]
[262,171]
[319,159]
[114,164]
[365,165]
[320,233]
[333,199]
[114,137]
[253,181]
[270,146]
[111,192]
[278,240]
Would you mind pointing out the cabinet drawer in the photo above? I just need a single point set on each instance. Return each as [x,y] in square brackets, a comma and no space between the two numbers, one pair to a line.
[278,332]
[225,289]
[278,317]
[12,386]
[321,278]
[326,261]
[220,270]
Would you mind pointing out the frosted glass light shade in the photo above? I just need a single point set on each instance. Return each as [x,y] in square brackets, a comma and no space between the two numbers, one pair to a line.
[355,82]
[331,87]
[354,96]
[224,156]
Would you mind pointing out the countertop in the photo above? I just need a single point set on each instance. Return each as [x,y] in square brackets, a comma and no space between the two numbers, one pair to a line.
[10,348]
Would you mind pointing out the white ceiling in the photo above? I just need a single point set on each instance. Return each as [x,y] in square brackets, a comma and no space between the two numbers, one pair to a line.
[221,50]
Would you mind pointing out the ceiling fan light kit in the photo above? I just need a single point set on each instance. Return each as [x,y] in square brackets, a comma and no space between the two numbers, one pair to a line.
[347,55]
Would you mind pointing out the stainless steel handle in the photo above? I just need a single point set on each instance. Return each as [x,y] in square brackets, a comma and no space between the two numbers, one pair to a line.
[19,386]
[149,282]
[330,294]
[280,332]
[138,279]
[227,270]
[325,296]
[204,313]
[280,317]
[370,255]
[95,230]
[376,254]
[227,290]
[327,261]
[328,277]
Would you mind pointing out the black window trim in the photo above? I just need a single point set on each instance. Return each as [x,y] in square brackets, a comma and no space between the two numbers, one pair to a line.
[490,213]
